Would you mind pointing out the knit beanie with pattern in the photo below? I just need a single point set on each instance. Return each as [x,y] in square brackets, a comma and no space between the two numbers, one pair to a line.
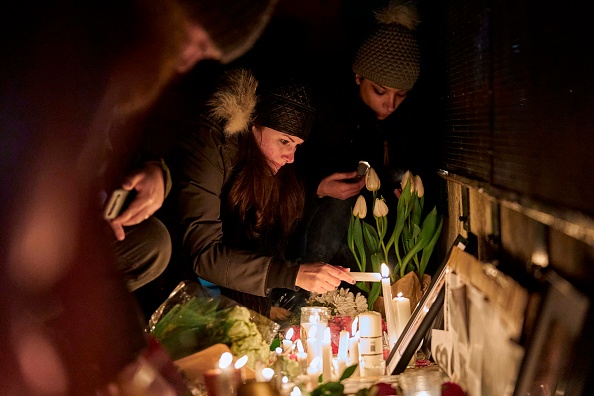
[390,55]
[285,104]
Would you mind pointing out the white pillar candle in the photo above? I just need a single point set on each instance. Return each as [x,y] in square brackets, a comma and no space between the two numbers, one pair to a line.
[387,292]
[401,307]
[343,344]
[326,357]
[371,351]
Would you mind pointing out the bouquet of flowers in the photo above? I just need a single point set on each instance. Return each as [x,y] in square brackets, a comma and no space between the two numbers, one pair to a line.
[190,321]
[412,238]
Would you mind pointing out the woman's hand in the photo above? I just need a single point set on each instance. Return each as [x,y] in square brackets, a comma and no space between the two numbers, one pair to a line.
[149,184]
[321,277]
[335,187]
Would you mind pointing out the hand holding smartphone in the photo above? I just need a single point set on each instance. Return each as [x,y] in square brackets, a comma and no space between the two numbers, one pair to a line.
[116,203]
[362,169]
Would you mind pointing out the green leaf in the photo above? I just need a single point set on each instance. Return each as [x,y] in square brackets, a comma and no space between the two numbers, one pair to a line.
[371,237]
[427,231]
[401,214]
[358,237]
[417,209]
[376,287]
[428,249]
[348,372]
[275,344]
[363,286]
[416,230]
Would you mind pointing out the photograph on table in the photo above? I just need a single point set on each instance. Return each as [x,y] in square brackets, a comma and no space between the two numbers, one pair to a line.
[553,356]
[422,318]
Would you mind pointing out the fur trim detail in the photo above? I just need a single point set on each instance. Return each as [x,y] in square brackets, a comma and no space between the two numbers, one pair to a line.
[235,101]
[404,14]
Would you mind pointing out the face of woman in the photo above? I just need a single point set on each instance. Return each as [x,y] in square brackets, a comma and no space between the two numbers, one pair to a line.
[382,100]
[278,147]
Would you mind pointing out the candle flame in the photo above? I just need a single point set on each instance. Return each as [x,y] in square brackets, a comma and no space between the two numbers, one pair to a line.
[267,374]
[300,346]
[279,350]
[327,334]
[289,334]
[285,379]
[315,362]
[225,360]
[399,295]
[241,362]
[354,326]
[296,391]
[312,332]
[385,270]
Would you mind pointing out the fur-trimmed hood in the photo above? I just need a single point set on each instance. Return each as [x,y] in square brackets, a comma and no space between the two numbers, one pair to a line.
[234,102]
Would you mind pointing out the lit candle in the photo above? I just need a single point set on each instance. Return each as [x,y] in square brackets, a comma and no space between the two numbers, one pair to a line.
[313,372]
[401,307]
[301,357]
[339,367]
[312,344]
[326,357]
[240,367]
[296,391]
[267,374]
[287,342]
[222,380]
[343,344]
[387,291]
[354,347]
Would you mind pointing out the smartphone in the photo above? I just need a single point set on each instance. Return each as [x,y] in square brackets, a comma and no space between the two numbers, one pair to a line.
[362,169]
[116,203]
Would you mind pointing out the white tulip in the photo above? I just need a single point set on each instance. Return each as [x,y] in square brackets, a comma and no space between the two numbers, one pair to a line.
[380,209]
[360,209]
[372,181]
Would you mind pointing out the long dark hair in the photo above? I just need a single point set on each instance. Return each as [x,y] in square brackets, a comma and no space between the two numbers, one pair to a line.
[260,199]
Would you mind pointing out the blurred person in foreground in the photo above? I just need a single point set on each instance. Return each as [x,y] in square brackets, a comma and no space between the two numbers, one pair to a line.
[71,70]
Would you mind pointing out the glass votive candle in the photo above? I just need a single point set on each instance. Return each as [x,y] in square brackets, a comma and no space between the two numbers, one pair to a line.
[313,316]
[421,382]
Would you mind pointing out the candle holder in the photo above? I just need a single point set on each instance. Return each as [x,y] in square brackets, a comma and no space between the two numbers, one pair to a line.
[314,316]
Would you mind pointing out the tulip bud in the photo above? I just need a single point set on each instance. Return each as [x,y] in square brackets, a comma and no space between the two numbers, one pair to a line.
[360,209]
[419,186]
[372,181]
[408,178]
[380,209]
